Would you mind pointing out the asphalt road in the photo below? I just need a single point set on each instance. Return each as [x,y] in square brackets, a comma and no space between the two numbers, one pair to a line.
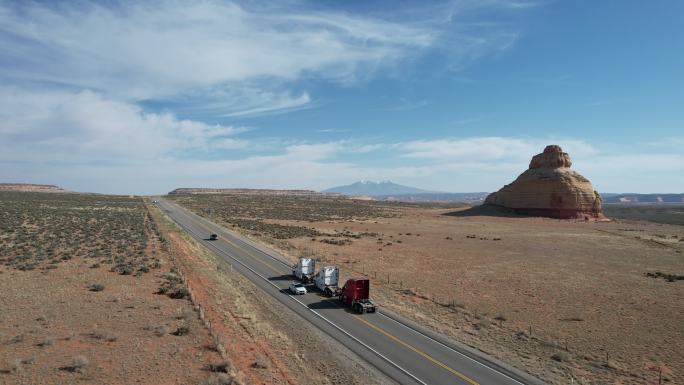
[403,351]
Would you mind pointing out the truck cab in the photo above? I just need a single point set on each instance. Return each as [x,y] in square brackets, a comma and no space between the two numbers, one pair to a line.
[355,294]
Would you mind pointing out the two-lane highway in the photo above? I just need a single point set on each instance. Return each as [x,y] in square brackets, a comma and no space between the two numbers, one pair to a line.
[400,350]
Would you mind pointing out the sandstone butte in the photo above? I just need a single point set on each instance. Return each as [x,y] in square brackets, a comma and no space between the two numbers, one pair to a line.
[550,188]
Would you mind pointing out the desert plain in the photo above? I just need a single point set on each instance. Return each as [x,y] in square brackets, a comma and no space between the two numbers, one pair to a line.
[106,290]
[566,300]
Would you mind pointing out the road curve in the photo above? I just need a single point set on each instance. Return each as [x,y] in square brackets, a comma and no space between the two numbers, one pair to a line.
[400,349]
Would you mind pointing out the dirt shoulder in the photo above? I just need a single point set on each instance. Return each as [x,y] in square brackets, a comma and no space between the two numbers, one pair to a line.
[265,341]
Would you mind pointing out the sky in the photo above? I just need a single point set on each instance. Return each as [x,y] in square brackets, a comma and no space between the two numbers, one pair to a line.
[141,97]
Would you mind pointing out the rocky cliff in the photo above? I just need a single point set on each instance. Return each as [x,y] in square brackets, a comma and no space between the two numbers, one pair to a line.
[30,187]
[550,188]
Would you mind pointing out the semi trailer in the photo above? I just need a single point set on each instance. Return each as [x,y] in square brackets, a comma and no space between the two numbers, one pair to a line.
[326,280]
[304,269]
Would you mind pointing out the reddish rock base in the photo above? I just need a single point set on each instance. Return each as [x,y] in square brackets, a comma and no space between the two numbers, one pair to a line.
[557,213]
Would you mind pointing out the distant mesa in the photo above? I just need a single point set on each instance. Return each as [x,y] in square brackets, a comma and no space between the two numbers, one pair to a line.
[246,191]
[550,188]
[30,187]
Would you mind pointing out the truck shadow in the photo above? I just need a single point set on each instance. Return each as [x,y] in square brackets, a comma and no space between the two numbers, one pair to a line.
[330,303]
[284,277]
[326,303]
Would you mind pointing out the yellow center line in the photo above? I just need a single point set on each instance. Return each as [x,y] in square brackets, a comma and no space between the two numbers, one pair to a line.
[419,352]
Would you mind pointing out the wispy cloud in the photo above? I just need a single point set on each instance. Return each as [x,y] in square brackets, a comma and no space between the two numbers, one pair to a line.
[137,51]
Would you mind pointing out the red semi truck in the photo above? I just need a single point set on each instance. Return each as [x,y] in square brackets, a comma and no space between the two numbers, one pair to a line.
[354,294]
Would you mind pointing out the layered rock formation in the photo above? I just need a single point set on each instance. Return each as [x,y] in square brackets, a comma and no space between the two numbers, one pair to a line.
[550,188]
[30,187]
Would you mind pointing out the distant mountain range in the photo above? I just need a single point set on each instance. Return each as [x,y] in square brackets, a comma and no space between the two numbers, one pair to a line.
[389,191]
[627,198]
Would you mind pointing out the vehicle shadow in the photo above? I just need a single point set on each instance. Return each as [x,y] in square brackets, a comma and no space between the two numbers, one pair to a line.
[327,303]
[284,277]
[285,291]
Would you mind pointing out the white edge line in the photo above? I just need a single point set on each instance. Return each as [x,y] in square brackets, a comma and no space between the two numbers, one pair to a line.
[450,348]
[311,310]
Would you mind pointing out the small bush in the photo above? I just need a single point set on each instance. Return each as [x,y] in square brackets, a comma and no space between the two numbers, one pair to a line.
[15,366]
[220,367]
[483,324]
[161,330]
[259,364]
[46,342]
[79,364]
[561,357]
[96,287]
[181,331]
[181,292]
[104,335]
[186,315]
[16,339]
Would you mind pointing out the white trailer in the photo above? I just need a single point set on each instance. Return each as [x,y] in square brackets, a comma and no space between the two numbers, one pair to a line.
[304,269]
[326,280]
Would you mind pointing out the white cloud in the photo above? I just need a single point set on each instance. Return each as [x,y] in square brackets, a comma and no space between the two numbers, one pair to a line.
[86,127]
[488,149]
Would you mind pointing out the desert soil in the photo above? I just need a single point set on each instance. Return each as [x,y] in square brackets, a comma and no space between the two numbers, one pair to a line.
[559,299]
[52,318]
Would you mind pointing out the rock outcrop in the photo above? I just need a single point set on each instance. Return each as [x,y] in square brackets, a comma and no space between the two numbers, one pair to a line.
[30,187]
[550,188]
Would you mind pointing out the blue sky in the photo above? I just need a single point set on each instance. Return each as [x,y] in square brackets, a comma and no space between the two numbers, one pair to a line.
[144,97]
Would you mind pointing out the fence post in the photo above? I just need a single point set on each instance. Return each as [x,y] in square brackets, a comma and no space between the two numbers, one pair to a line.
[660,375]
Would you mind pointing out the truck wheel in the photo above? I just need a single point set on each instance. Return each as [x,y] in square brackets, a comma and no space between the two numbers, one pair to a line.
[358,308]
[327,292]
